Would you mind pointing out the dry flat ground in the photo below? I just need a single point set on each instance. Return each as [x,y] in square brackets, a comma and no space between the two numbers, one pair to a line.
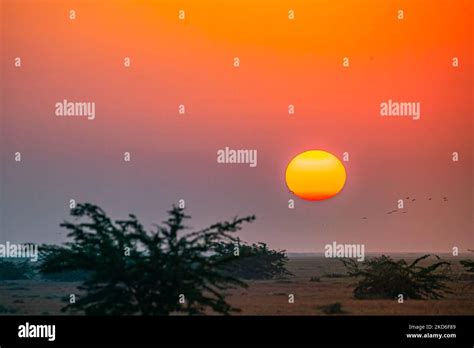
[271,297]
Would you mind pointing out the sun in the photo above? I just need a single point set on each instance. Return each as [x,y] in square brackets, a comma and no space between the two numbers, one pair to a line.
[315,175]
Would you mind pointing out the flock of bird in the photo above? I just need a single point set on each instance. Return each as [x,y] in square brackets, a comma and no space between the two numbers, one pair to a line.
[445,199]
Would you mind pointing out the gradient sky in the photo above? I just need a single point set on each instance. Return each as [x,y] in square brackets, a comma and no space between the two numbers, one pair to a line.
[282,62]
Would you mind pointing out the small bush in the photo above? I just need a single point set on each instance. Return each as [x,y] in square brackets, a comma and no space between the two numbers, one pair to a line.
[18,270]
[332,308]
[315,279]
[468,265]
[384,278]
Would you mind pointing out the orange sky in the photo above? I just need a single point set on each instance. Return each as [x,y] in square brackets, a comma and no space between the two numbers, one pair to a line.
[283,62]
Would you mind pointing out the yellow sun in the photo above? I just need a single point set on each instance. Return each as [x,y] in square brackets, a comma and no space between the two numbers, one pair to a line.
[315,175]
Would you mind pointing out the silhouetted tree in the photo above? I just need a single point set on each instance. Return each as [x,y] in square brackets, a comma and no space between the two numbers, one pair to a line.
[255,261]
[134,271]
[68,276]
[382,277]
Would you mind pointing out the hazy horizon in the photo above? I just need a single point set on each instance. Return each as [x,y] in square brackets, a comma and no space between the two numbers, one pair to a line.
[191,63]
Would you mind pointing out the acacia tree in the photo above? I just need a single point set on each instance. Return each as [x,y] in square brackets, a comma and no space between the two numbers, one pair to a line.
[134,271]
[383,277]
